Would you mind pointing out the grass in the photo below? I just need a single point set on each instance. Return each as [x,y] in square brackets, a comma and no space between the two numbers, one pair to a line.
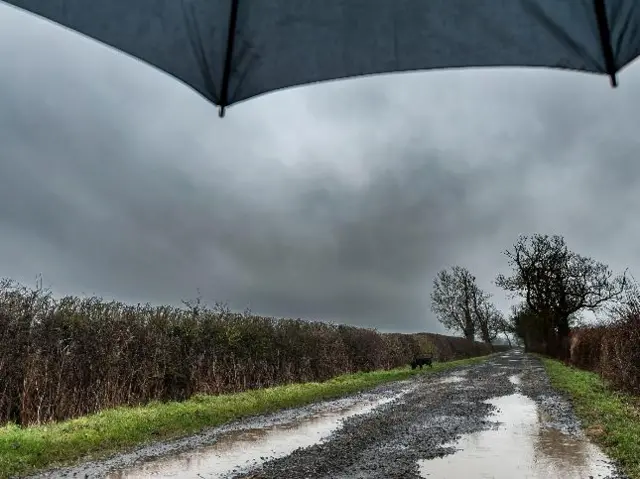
[29,449]
[610,418]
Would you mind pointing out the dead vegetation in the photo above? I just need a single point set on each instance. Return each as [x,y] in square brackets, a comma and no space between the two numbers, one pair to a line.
[73,356]
[556,285]
[612,349]
[462,306]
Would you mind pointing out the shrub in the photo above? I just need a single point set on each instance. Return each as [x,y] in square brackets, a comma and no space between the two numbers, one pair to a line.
[73,356]
[586,347]
[613,349]
[620,361]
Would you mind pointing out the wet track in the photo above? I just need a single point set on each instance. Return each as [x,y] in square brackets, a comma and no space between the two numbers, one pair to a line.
[498,419]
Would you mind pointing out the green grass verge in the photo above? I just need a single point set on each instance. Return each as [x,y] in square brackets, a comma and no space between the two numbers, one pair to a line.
[611,419]
[29,449]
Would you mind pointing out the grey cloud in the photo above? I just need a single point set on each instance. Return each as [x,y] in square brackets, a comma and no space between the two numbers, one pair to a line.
[337,201]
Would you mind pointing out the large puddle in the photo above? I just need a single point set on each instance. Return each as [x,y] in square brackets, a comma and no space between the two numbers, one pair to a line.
[521,447]
[237,450]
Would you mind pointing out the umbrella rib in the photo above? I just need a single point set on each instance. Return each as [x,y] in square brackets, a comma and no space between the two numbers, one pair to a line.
[605,40]
[226,74]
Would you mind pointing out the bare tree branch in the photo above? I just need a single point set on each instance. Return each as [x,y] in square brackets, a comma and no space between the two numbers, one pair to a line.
[461,305]
[556,284]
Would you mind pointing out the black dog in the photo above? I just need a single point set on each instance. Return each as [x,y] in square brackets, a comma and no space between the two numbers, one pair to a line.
[422,362]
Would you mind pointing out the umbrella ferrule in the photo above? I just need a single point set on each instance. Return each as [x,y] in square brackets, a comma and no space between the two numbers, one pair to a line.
[605,40]
[226,74]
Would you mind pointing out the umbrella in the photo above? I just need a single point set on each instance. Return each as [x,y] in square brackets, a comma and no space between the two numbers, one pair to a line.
[233,50]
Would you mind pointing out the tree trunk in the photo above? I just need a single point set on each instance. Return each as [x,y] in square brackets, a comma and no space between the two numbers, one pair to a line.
[508,339]
[527,341]
[563,338]
[548,335]
[470,332]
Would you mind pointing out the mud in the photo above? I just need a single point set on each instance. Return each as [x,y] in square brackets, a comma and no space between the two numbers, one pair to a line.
[500,418]
[519,447]
[247,448]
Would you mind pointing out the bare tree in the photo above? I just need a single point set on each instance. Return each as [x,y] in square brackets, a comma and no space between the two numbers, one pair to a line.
[506,331]
[504,326]
[452,300]
[556,284]
[489,319]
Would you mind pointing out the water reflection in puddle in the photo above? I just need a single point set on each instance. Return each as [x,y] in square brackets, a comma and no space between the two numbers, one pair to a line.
[520,448]
[249,447]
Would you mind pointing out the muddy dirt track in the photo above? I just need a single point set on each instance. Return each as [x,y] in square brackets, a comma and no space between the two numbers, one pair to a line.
[497,419]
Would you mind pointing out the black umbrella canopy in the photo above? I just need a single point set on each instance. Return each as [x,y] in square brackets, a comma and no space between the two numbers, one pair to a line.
[233,50]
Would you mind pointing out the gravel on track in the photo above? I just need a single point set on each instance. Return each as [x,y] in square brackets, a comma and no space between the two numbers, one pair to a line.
[388,442]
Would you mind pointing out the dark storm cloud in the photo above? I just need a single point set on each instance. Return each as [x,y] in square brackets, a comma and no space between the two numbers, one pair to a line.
[339,201]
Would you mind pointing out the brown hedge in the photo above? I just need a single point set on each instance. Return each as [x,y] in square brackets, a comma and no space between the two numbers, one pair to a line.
[586,347]
[620,359]
[613,349]
[66,358]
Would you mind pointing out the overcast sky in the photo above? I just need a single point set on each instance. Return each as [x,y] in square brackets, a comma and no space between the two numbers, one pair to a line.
[337,201]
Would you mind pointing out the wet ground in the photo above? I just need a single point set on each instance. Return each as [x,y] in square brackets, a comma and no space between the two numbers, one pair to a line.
[498,419]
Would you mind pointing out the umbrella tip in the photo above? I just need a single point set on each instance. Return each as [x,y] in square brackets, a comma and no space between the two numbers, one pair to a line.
[221,111]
